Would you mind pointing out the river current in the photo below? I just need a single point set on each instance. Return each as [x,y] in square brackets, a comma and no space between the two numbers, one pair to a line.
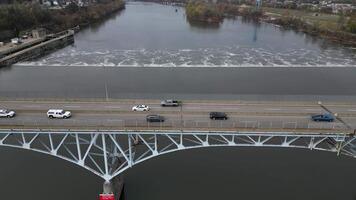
[153,35]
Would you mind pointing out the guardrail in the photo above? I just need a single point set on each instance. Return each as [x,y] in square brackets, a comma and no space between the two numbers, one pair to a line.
[138,124]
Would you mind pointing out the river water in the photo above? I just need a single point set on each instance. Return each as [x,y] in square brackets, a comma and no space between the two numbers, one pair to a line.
[147,34]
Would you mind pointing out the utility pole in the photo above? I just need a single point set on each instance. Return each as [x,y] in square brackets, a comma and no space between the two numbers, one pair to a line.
[181,116]
[258,4]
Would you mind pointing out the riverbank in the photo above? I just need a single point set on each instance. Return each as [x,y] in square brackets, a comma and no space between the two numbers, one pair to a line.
[18,18]
[37,48]
[199,11]
[337,28]
[332,27]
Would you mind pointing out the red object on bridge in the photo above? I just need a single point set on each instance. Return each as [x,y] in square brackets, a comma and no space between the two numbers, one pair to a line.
[106,197]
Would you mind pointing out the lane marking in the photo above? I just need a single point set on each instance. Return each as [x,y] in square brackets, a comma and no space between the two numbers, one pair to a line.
[115,120]
[217,108]
[155,106]
[273,109]
[313,109]
[114,107]
[192,107]
[68,106]
[32,106]
[352,110]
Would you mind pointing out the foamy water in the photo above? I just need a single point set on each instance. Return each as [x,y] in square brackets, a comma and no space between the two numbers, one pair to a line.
[223,57]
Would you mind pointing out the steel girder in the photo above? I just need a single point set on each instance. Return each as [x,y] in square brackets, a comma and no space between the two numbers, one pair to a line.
[109,153]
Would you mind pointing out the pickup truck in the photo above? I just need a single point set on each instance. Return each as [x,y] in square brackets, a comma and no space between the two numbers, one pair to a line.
[172,103]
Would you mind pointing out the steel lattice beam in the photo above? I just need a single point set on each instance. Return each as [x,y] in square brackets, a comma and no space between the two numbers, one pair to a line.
[109,153]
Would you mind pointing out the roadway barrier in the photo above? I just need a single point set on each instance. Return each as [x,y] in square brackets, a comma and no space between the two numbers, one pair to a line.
[231,124]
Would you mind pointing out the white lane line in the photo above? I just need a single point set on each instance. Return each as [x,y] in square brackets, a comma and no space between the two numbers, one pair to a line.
[32,106]
[352,110]
[114,107]
[187,107]
[115,120]
[68,106]
[155,106]
[273,109]
[313,109]
[217,108]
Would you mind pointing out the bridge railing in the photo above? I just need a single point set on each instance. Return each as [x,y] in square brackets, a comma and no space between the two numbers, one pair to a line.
[230,124]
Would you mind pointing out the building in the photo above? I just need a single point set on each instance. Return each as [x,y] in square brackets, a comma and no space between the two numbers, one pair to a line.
[39,33]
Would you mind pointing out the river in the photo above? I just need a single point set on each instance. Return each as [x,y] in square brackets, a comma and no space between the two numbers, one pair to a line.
[147,34]
[150,51]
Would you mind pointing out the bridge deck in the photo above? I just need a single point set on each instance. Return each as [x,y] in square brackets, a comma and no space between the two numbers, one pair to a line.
[193,115]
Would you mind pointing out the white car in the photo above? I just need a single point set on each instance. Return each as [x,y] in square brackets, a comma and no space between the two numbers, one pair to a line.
[140,108]
[58,113]
[7,113]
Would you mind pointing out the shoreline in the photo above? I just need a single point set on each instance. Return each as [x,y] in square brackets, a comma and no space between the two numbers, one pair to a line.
[220,11]
[64,19]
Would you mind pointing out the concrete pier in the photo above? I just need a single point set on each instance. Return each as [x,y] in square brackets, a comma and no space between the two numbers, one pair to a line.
[115,187]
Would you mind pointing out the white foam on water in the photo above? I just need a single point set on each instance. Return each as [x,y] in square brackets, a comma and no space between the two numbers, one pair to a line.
[186,50]
[230,56]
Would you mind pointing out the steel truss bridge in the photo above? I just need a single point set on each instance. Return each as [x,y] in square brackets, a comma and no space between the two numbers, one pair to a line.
[109,153]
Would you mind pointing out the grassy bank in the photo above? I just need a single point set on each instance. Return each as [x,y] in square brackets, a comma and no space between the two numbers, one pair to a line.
[204,12]
[213,13]
[338,28]
[15,18]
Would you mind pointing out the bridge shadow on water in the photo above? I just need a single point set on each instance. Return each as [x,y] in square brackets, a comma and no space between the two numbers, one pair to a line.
[243,173]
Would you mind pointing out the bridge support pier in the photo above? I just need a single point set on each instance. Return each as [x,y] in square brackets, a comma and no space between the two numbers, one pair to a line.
[108,191]
[108,187]
[115,186]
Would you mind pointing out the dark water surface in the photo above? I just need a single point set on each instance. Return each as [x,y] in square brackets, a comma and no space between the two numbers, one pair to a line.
[206,174]
[300,83]
[147,34]
[155,35]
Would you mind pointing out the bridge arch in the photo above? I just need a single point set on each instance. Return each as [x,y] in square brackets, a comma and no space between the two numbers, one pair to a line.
[108,154]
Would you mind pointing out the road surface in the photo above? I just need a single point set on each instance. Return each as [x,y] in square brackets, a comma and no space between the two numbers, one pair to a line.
[192,115]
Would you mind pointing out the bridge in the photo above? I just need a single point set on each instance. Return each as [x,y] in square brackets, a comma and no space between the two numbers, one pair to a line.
[109,153]
[107,138]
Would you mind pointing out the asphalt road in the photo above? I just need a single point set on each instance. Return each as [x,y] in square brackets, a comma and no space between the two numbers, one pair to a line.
[191,115]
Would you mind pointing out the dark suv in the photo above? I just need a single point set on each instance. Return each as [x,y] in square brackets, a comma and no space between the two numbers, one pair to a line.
[323,118]
[218,115]
[154,118]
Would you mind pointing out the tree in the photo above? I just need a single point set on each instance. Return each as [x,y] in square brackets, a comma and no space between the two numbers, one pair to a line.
[72,8]
[351,24]
[341,21]
[19,18]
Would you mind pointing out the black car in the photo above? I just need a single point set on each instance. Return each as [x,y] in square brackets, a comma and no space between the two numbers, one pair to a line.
[218,115]
[154,118]
[323,118]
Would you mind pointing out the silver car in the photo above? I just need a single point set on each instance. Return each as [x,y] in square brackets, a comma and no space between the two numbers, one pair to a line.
[7,113]
[140,108]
